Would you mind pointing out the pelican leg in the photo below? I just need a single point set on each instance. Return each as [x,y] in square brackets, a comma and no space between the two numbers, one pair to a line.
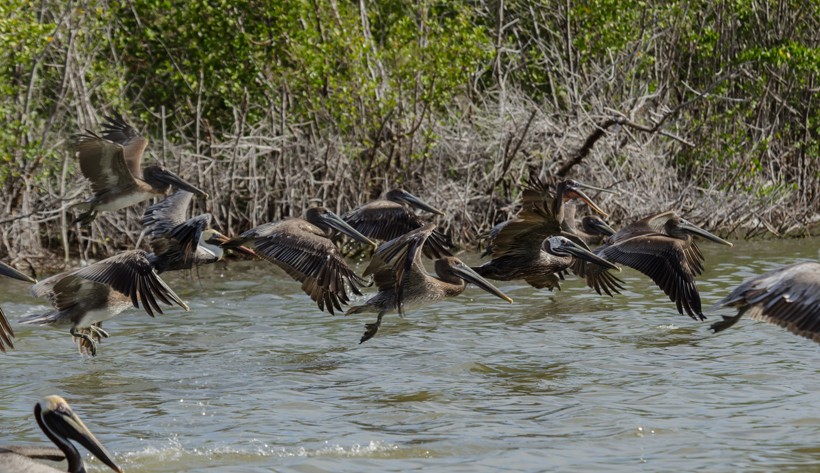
[371,329]
[85,342]
[97,331]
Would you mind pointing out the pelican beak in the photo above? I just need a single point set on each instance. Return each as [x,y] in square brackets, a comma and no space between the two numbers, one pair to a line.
[579,252]
[6,270]
[172,179]
[64,422]
[689,228]
[334,221]
[575,192]
[602,227]
[223,241]
[466,273]
[417,203]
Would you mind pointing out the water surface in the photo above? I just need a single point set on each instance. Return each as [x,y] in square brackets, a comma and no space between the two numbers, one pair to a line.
[255,379]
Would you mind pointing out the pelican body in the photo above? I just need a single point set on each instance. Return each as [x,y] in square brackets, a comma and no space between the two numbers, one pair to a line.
[179,243]
[393,216]
[6,332]
[403,282]
[788,296]
[662,247]
[86,297]
[536,247]
[112,163]
[302,247]
[61,425]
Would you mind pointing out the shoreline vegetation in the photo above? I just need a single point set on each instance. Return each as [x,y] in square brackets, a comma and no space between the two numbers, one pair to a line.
[271,107]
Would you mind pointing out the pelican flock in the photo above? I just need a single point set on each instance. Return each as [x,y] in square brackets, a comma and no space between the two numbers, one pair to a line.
[544,242]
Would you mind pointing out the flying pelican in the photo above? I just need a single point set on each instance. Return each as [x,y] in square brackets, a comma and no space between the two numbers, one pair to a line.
[662,247]
[86,297]
[536,247]
[113,165]
[180,243]
[60,424]
[393,216]
[403,282]
[302,247]
[788,296]
[6,332]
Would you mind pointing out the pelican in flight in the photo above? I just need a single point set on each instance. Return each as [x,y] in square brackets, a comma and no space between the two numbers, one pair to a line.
[61,425]
[393,216]
[112,163]
[537,248]
[6,332]
[179,243]
[302,247]
[592,229]
[662,247]
[86,297]
[403,282]
[788,296]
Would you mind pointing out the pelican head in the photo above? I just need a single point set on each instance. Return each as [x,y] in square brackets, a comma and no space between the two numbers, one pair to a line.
[6,270]
[678,227]
[162,179]
[562,246]
[595,225]
[450,265]
[61,424]
[404,197]
[327,221]
[571,189]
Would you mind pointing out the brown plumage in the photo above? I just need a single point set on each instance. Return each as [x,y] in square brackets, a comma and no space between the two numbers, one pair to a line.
[403,282]
[393,216]
[86,297]
[788,296]
[662,247]
[112,163]
[521,250]
[303,249]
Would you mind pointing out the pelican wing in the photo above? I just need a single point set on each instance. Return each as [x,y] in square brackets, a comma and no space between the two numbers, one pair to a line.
[788,297]
[524,234]
[119,131]
[161,218]
[664,260]
[102,163]
[129,273]
[176,248]
[34,452]
[398,257]
[387,220]
[300,249]
[6,333]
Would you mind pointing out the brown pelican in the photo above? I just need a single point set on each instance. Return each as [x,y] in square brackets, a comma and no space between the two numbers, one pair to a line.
[393,216]
[788,297]
[662,247]
[536,248]
[592,230]
[180,243]
[60,424]
[86,297]
[6,332]
[403,282]
[113,165]
[302,248]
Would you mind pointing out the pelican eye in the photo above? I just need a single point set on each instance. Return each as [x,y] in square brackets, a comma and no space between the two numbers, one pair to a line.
[63,408]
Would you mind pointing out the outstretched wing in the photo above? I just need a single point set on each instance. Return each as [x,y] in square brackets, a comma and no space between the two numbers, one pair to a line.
[308,257]
[102,163]
[159,219]
[119,131]
[386,220]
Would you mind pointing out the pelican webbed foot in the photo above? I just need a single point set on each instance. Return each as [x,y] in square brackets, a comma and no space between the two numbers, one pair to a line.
[371,329]
[87,338]
[85,218]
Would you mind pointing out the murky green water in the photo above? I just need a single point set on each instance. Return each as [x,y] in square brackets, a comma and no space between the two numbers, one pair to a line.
[255,378]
